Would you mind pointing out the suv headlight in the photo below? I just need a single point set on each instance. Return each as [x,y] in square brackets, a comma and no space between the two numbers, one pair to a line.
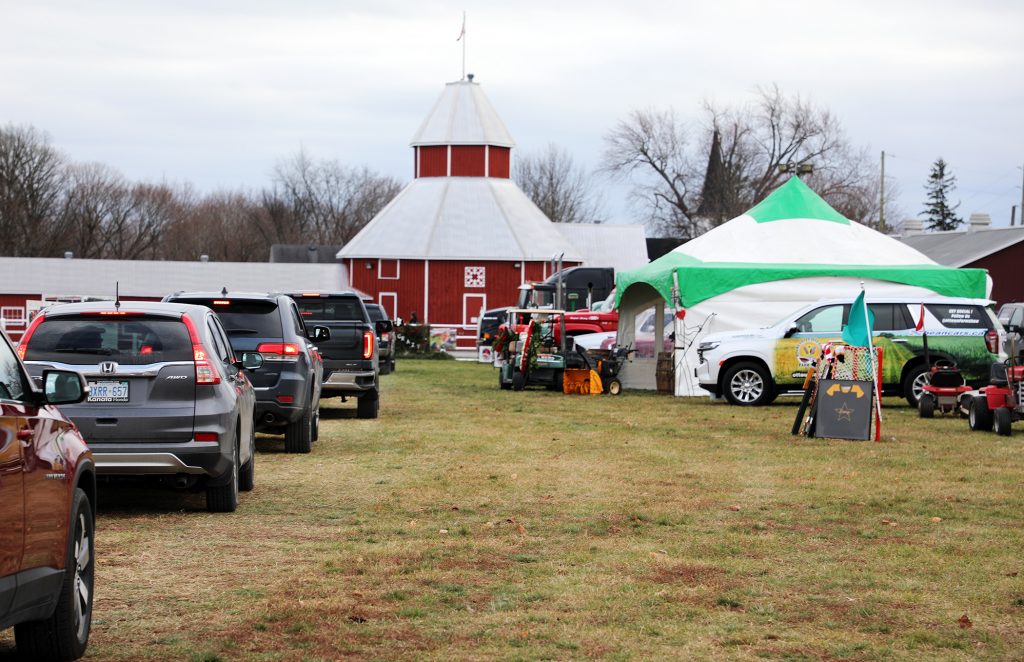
[708,346]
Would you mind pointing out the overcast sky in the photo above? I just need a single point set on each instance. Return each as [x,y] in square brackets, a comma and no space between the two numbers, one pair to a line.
[213,93]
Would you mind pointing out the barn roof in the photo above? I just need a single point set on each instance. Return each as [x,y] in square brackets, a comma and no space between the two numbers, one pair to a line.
[960,248]
[622,247]
[463,116]
[145,278]
[450,218]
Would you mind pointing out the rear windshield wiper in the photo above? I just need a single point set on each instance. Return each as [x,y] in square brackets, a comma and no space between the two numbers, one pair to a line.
[239,332]
[106,351]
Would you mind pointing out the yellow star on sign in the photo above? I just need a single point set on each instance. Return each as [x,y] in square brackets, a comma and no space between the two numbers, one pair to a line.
[843,413]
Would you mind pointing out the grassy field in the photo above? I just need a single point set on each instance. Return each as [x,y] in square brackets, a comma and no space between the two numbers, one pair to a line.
[473,523]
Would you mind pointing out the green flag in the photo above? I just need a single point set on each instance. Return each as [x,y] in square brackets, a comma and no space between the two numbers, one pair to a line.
[857,331]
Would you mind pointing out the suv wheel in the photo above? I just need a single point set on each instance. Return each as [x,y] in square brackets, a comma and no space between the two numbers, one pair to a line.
[224,498]
[247,474]
[298,436]
[64,635]
[368,406]
[316,423]
[914,382]
[748,384]
[979,416]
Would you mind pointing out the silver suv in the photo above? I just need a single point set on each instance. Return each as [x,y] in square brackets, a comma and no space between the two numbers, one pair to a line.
[167,396]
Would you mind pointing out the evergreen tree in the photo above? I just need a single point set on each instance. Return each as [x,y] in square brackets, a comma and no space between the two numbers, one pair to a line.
[939,215]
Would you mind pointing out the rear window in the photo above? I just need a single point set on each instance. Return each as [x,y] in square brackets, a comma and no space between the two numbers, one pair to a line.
[128,341]
[258,319]
[327,309]
[376,313]
[953,316]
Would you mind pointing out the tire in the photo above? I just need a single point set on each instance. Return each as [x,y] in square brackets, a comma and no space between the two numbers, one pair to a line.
[1004,420]
[557,381]
[368,406]
[979,416]
[298,436]
[316,423]
[385,367]
[65,634]
[926,406]
[502,384]
[913,382]
[518,380]
[748,384]
[394,365]
[247,474]
[614,387]
[224,498]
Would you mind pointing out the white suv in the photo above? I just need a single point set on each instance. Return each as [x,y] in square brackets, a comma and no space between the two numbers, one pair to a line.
[753,367]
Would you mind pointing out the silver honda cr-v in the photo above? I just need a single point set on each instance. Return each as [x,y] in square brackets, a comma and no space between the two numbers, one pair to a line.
[167,396]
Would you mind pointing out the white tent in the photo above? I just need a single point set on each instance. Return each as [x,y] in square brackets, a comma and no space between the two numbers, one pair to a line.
[789,250]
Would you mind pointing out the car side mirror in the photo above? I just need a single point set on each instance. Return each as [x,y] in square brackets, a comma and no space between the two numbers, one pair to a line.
[250,361]
[64,387]
[1012,328]
[384,326]
[320,334]
[791,331]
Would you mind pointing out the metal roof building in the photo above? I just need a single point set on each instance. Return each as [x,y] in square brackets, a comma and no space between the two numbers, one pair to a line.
[27,281]
[461,237]
[1000,250]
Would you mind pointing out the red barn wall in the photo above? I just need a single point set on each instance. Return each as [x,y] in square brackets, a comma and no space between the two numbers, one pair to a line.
[499,161]
[468,160]
[1004,268]
[447,285]
[433,161]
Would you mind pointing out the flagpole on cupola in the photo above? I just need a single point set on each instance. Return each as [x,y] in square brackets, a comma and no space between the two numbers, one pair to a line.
[462,38]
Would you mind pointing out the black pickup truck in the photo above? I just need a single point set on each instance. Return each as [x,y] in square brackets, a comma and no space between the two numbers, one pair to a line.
[351,356]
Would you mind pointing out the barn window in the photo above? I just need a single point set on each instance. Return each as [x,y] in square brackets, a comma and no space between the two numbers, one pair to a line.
[388,269]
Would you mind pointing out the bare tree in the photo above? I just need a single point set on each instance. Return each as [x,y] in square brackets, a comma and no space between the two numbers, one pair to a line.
[558,186]
[31,186]
[224,225]
[649,150]
[329,202]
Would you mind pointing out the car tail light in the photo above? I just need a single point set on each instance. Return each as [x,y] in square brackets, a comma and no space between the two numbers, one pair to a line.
[279,351]
[367,344]
[205,372]
[992,341]
[207,437]
[23,343]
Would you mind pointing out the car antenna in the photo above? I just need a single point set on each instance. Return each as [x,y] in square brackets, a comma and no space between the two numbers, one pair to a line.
[117,295]
[224,291]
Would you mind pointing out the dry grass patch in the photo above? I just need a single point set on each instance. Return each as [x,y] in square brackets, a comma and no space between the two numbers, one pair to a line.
[473,523]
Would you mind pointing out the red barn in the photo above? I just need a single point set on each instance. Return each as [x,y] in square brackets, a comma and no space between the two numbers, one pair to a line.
[461,237]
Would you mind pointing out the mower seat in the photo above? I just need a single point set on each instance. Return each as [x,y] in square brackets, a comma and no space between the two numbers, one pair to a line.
[946,378]
[997,376]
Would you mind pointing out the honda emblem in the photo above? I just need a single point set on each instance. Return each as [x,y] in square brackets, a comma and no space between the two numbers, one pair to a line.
[108,367]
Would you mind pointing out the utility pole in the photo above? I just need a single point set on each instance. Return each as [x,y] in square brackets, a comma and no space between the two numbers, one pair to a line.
[881,198]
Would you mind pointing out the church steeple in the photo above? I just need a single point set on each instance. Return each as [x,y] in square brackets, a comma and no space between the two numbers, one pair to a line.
[463,136]
[714,196]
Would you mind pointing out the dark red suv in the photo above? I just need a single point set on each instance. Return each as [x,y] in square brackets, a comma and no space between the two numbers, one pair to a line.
[47,496]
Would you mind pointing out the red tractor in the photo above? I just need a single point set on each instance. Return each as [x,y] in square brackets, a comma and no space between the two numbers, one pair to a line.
[1001,402]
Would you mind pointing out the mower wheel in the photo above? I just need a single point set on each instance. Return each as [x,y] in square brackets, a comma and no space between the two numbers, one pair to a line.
[1004,418]
[518,381]
[614,387]
[501,381]
[926,406]
[979,416]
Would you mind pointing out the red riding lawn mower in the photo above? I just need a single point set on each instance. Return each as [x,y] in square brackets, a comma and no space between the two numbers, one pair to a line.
[1001,401]
[942,391]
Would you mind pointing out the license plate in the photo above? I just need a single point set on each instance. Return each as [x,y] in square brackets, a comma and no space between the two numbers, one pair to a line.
[110,391]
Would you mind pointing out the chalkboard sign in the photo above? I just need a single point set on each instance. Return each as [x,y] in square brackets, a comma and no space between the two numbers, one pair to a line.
[843,408]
